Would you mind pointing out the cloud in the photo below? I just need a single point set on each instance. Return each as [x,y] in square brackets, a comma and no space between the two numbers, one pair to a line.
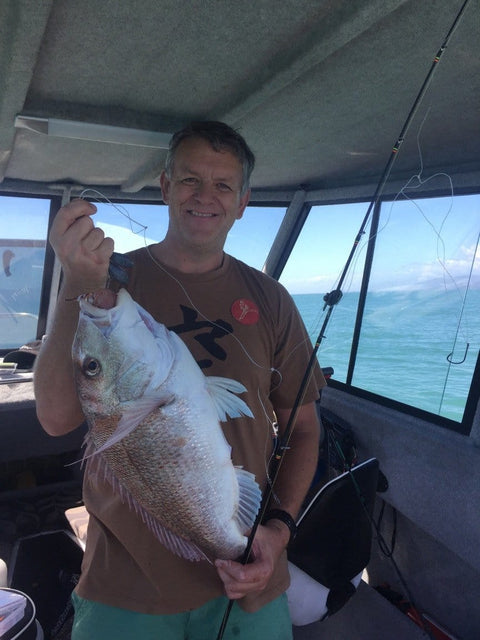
[311,284]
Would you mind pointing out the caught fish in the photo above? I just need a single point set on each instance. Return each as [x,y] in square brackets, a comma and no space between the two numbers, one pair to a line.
[154,429]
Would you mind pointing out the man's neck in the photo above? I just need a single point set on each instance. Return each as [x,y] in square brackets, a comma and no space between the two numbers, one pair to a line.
[187,262]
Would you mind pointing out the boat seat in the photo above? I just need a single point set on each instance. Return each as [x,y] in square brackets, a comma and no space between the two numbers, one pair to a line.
[333,543]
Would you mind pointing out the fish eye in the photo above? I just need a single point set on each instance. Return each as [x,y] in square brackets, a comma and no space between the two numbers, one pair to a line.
[91,367]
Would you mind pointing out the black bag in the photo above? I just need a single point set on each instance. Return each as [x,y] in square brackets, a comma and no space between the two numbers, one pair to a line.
[47,566]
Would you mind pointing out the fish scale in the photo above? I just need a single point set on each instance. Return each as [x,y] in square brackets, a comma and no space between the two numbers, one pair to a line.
[155,433]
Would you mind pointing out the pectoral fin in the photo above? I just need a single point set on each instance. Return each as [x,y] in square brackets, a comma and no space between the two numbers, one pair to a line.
[222,392]
[133,414]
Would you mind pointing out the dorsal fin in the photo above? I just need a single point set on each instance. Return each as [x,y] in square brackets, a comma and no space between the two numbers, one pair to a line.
[222,392]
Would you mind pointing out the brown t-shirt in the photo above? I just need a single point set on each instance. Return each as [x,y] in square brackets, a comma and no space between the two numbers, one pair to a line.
[238,323]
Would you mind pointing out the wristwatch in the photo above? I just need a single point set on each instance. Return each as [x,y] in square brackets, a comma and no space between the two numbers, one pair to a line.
[285,517]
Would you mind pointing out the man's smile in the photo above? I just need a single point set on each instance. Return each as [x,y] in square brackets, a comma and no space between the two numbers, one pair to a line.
[201,214]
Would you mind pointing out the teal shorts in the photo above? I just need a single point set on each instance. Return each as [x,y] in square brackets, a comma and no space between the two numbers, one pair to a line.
[95,621]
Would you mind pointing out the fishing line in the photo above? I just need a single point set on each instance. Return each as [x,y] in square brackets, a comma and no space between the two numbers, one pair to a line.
[334,296]
[242,346]
[462,309]
[409,185]
[121,210]
[142,229]
[441,255]
[271,429]
[269,455]
[441,247]
[417,181]
[271,369]
[402,192]
[211,322]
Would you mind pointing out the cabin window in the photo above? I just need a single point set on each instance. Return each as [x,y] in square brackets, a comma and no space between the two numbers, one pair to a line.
[416,337]
[314,268]
[251,237]
[23,236]
[423,304]
[134,225]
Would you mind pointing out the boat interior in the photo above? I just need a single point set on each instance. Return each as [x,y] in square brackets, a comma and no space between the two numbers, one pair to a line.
[342,102]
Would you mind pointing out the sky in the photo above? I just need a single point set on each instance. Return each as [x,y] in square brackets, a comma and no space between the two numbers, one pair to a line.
[419,245]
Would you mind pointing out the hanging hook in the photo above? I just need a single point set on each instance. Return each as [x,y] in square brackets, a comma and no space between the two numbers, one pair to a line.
[449,357]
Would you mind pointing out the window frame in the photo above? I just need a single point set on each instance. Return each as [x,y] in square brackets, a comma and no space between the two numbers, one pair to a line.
[473,397]
[48,268]
[472,401]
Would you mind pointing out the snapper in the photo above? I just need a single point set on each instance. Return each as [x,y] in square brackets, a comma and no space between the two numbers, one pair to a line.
[154,429]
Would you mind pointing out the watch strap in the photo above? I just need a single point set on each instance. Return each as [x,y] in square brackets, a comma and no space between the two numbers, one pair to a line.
[285,517]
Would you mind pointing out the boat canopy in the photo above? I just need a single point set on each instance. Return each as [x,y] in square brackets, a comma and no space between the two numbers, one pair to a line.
[91,92]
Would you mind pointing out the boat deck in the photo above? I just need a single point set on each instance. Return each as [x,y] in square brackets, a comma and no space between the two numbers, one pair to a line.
[367,616]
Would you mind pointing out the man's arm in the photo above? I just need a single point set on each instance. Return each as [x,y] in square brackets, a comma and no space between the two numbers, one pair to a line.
[300,460]
[293,481]
[84,253]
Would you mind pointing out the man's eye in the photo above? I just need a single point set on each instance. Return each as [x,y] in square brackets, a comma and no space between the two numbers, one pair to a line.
[189,181]
[223,187]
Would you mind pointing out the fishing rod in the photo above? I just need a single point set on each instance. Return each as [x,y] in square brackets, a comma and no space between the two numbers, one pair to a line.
[331,299]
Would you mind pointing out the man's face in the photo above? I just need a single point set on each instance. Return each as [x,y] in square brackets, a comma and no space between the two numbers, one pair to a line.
[203,194]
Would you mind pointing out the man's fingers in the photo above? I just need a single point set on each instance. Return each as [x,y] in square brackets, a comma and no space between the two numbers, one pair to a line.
[78,208]
[71,212]
[238,579]
[94,240]
[73,228]
[71,224]
[81,247]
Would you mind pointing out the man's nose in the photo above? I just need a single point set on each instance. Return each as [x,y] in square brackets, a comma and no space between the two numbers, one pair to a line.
[204,192]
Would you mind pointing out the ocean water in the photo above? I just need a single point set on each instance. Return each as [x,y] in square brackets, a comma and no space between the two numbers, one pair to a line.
[416,347]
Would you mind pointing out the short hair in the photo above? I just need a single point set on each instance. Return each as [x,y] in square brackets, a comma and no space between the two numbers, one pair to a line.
[221,137]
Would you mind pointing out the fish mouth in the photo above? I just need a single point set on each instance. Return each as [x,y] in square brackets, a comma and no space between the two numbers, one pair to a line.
[98,306]
[100,299]
[105,308]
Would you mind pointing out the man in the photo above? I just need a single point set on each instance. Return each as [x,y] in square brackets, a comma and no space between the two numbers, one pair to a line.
[238,323]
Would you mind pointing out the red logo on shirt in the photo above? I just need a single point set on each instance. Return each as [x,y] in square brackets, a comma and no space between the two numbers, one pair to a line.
[245,311]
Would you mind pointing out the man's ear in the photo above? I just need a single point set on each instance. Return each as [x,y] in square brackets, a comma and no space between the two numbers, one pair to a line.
[165,186]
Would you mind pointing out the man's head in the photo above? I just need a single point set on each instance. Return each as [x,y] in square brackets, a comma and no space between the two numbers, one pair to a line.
[221,137]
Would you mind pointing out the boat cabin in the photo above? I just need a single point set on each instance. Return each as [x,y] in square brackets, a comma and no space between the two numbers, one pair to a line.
[364,119]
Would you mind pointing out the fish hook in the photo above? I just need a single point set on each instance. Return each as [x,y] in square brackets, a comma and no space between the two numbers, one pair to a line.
[450,355]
